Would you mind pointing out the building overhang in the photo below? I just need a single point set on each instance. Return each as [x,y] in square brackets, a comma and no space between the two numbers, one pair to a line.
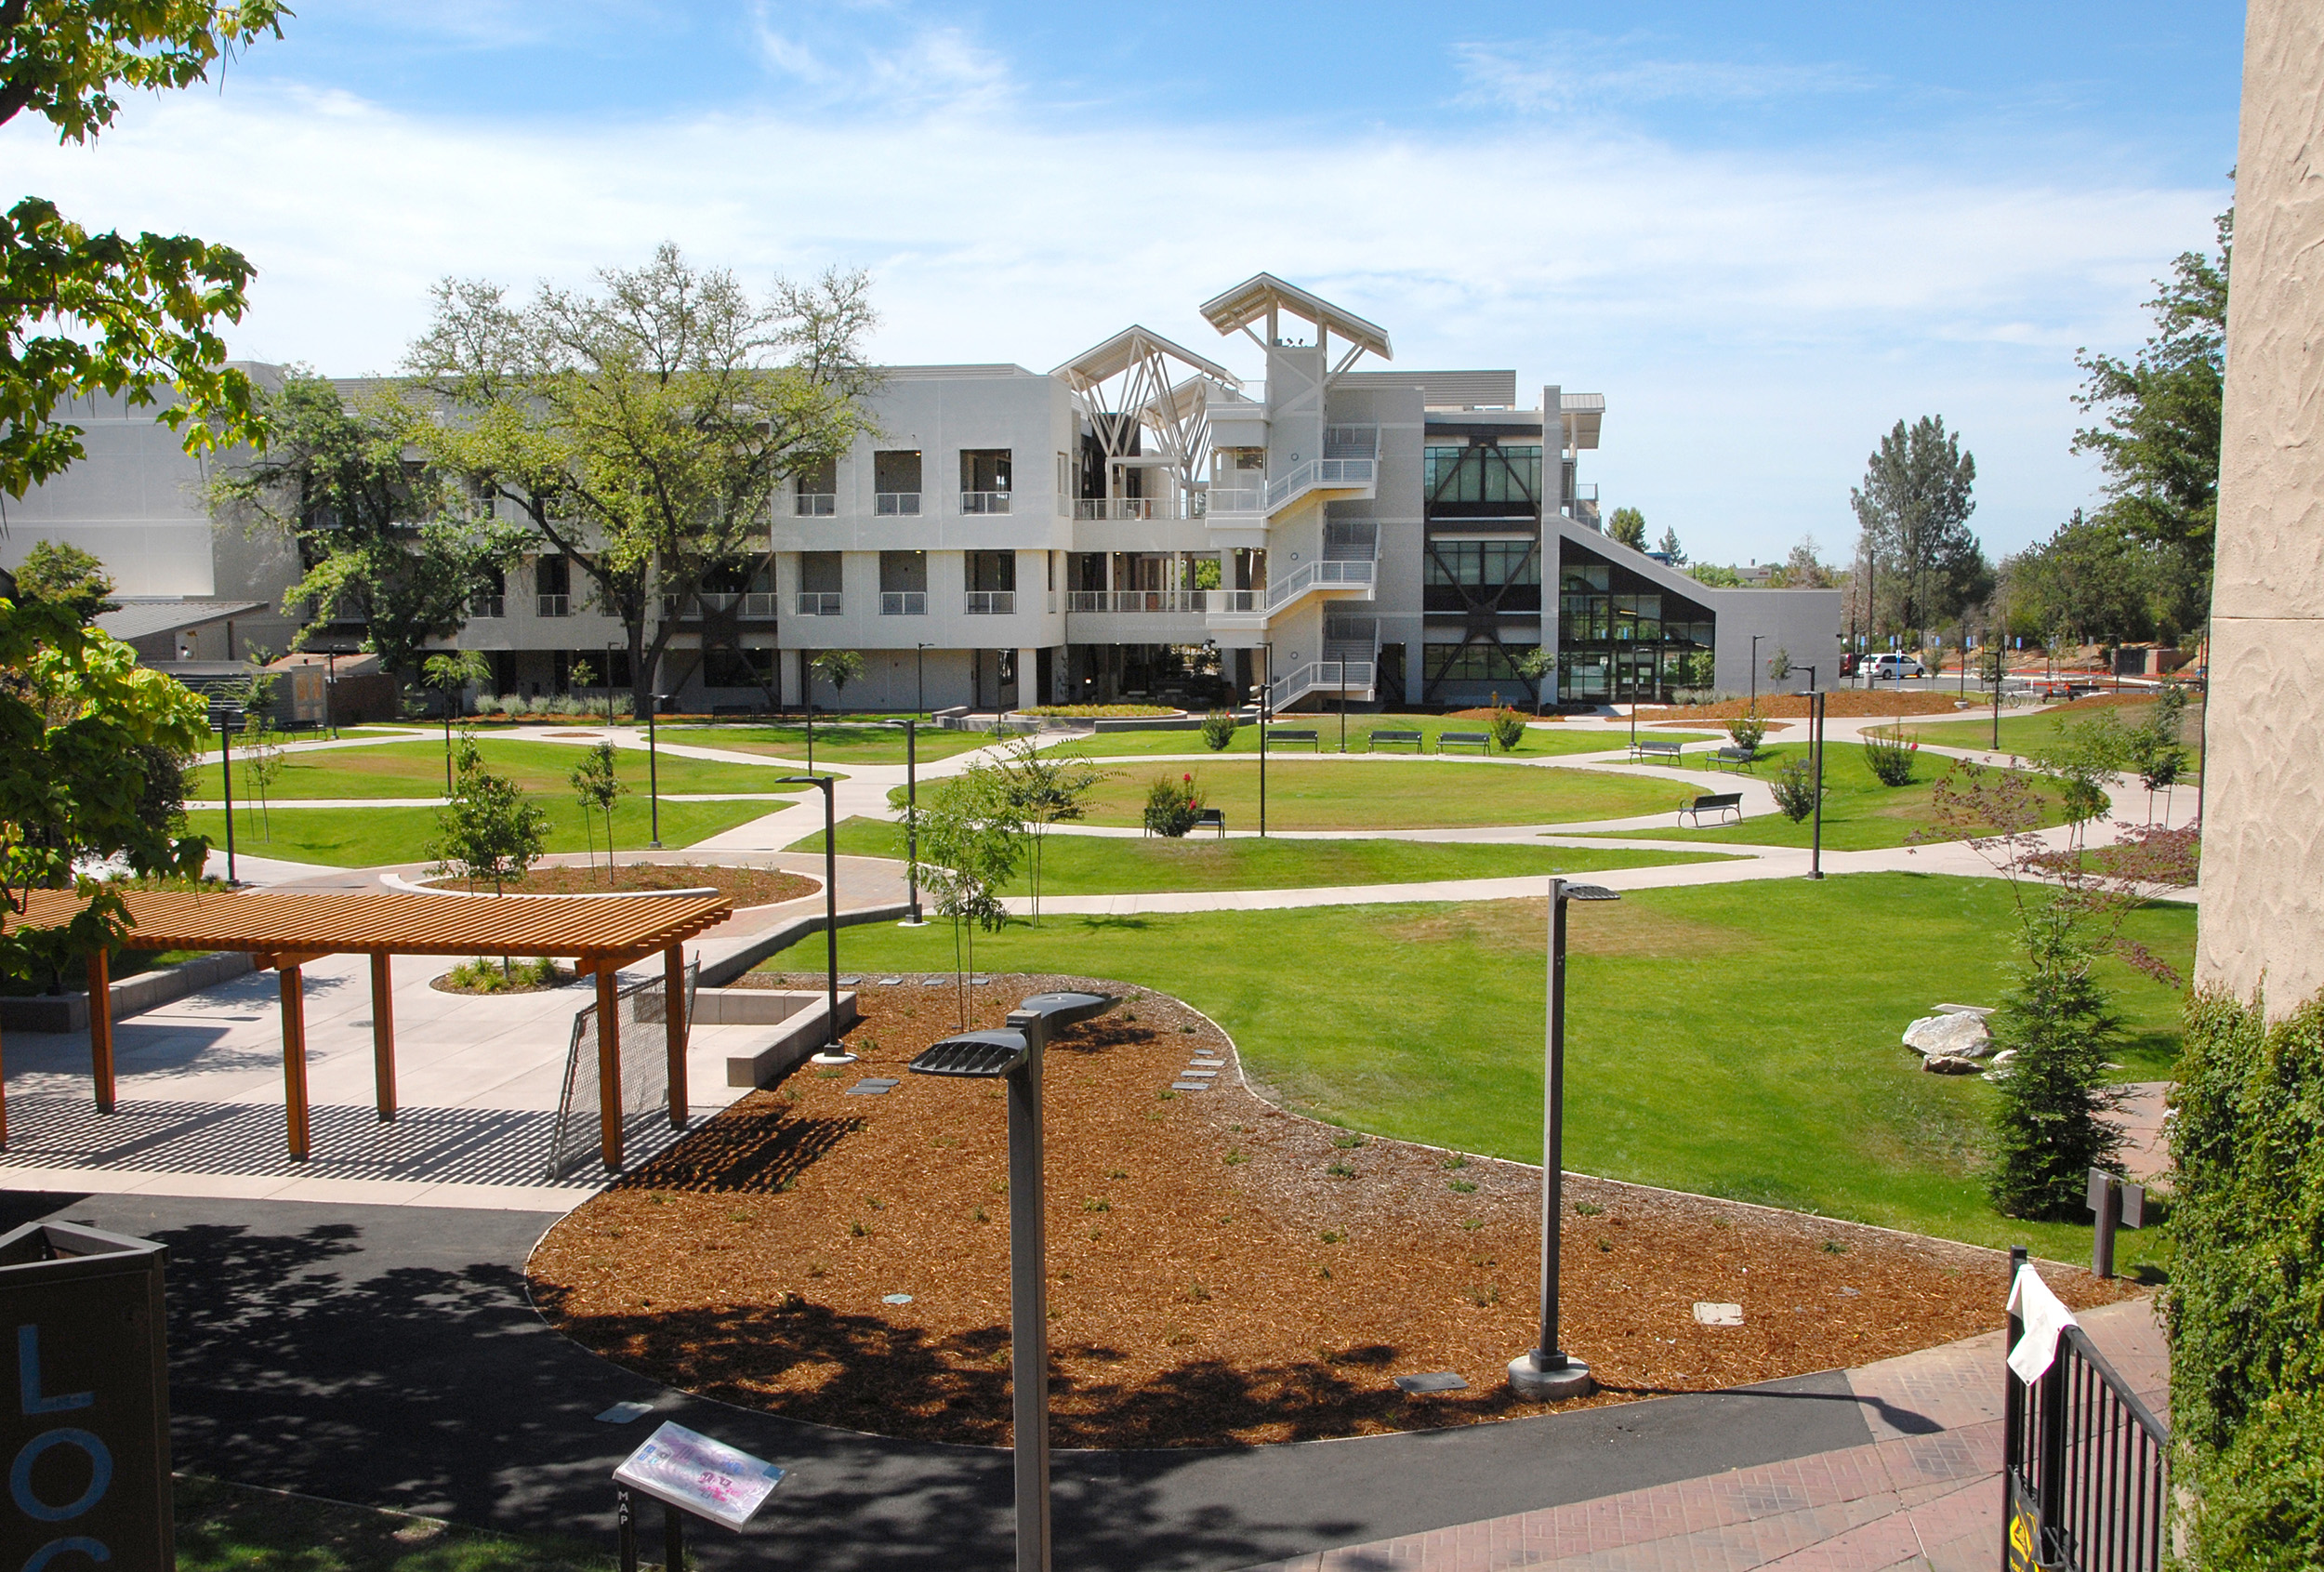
[1262,294]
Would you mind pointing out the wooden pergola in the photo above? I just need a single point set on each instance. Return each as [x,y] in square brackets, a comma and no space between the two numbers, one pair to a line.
[286,929]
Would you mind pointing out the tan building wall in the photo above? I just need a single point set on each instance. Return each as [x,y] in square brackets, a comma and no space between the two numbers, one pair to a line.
[2263,899]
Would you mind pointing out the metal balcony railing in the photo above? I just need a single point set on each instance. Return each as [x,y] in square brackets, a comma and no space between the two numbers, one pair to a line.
[983,502]
[1319,576]
[488,608]
[1168,601]
[1125,508]
[1350,442]
[552,605]
[814,505]
[991,603]
[1235,599]
[904,602]
[759,605]
[1219,500]
[896,504]
[718,600]
[817,602]
[1316,473]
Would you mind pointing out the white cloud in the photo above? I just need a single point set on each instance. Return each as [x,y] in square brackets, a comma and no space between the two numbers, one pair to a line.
[1568,70]
[1756,320]
[899,66]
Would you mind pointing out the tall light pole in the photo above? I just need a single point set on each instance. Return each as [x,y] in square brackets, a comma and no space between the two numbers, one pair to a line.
[1815,698]
[652,772]
[834,1050]
[920,657]
[1546,1372]
[912,821]
[1266,698]
[1755,638]
[1015,1053]
[227,716]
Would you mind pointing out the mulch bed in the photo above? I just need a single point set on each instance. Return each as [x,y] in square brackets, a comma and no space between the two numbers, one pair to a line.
[1222,1271]
[745,887]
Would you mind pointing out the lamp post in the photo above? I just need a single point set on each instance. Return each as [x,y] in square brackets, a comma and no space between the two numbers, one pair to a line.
[920,658]
[912,821]
[1755,638]
[1547,1372]
[653,774]
[331,693]
[1266,695]
[834,1050]
[227,716]
[1015,1053]
[1815,698]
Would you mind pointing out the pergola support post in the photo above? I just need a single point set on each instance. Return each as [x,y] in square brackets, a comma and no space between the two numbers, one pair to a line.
[609,1066]
[383,1032]
[100,1027]
[294,1060]
[674,1028]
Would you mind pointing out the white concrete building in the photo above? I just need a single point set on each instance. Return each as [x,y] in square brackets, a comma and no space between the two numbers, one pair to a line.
[1143,521]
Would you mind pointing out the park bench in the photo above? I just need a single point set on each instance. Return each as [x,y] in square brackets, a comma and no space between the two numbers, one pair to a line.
[1722,803]
[1734,758]
[1482,740]
[1651,748]
[1279,734]
[1380,739]
[1215,818]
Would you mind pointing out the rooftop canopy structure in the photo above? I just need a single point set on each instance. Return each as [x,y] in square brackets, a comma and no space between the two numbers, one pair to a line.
[1128,390]
[1264,297]
[285,930]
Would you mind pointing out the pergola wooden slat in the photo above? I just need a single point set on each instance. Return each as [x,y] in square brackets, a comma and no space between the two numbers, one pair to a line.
[286,929]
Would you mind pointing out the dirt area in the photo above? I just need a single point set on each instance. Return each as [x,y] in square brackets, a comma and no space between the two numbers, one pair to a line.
[1837,702]
[745,887]
[1773,726]
[1221,1271]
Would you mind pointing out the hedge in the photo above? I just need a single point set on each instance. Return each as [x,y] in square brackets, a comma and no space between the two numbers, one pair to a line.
[2246,1303]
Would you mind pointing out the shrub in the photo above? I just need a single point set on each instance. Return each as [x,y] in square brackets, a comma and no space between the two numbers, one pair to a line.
[1218,730]
[1747,730]
[1509,729]
[1794,787]
[482,976]
[2049,1128]
[2247,1345]
[1890,760]
[1173,805]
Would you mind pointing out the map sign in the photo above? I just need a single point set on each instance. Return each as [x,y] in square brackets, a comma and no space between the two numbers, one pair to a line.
[690,1470]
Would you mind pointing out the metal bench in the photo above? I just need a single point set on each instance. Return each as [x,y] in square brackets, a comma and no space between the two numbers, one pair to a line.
[1734,758]
[1722,803]
[1277,735]
[1482,740]
[1653,748]
[1215,818]
[1380,739]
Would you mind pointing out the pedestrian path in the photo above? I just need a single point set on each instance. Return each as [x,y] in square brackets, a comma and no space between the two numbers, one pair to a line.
[1924,1493]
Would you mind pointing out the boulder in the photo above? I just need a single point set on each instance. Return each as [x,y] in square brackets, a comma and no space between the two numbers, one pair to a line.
[1950,1064]
[1963,1037]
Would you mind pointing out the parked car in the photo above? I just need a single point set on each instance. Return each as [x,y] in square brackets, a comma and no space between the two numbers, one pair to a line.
[1892,667]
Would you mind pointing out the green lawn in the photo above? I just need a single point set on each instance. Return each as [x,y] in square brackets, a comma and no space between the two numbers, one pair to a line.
[1083,865]
[1735,1040]
[1305,792]
[363,837]
[416,769]
[1539,742]
[837,742]
[2023,733]
[1860,814]
[235,1528]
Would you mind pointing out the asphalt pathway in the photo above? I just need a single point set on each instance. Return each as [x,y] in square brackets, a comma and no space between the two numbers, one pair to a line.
[391,1357]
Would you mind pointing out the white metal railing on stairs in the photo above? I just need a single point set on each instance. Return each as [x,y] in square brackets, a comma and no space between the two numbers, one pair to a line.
[1319,576]
[1312,473]
[1348,678]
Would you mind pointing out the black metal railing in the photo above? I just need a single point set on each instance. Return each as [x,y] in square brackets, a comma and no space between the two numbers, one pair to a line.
[2084,1465]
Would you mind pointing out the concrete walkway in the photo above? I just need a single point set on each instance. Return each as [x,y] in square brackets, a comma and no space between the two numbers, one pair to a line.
[1924,1493]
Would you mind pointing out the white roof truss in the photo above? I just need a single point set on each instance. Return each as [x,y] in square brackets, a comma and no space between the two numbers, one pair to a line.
[1264,297]
[1128,383]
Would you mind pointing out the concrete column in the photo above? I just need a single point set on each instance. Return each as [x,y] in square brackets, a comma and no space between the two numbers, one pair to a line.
[100,1028]
[1029,679]
[383,1033]
[2262,916]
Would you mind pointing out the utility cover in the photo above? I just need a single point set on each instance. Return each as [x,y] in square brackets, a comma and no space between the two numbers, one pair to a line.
[1432,1380]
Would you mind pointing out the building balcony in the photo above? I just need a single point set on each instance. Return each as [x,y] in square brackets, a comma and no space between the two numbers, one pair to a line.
[814,505]
[904,602]
[972,502]
[758,606]
[896,504]
[991,602]
[1179,601]
[818,602]
[552,605]
[487,608]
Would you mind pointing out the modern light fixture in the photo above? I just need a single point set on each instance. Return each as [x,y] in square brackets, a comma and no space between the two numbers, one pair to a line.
[834,1050]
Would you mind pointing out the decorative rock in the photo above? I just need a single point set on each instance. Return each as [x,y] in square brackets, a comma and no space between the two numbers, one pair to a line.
[1950,1064]
[1958,1037]
[1717,1315]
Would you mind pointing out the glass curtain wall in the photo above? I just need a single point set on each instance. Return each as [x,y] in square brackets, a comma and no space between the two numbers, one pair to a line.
[1622,638]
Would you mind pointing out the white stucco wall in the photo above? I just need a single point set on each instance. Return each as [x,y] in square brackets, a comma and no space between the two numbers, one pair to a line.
[2263,900]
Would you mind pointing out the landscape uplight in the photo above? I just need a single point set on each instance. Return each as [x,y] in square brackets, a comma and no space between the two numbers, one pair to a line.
[1014,1054]
[1547,1372]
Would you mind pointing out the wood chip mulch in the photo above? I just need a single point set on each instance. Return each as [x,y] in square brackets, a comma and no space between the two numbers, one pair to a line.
[1838,702]
[1222,1271]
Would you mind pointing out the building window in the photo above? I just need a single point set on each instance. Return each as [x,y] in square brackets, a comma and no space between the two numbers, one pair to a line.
[896,482]
[1473,662]
[1485,472]
[726,667]
[816,490]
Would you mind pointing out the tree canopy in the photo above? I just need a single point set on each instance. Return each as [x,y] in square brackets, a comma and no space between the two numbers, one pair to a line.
[1922,562]
[84,313]
[1629,526]
[70,578]
[642,428]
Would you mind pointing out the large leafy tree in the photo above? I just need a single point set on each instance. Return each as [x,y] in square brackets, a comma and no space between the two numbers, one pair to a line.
[84,313]
[2089,582]
[644,427]
[1921,562]
[380,539]
[2156,429]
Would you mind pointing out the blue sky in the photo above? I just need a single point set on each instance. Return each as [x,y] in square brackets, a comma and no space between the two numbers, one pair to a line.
[1765,234]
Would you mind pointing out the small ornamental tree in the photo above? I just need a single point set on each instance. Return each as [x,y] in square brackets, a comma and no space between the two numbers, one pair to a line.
[599,785]
[969,840]
[837,667]
[1794,787]
[1748,731]
[1533,666]
[1890,758]
[1509,729]
[449,674]
[1173,806]
[490,829]
[1044,789]
[1218,730]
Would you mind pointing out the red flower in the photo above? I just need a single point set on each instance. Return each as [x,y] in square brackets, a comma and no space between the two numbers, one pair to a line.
[1189,779]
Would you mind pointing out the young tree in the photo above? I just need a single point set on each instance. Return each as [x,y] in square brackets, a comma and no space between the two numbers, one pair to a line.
[1044,789]
[490,829]
[644,427]
[1922,563]
[599,785]
[1533,664]
[837,667]
[67,576]
[1629,526]
[969,840]
[80,313]
[400,549]
[2050,1126]
[450,674]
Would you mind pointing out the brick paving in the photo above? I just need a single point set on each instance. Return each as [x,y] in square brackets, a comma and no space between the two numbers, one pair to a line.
[1924,1493]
